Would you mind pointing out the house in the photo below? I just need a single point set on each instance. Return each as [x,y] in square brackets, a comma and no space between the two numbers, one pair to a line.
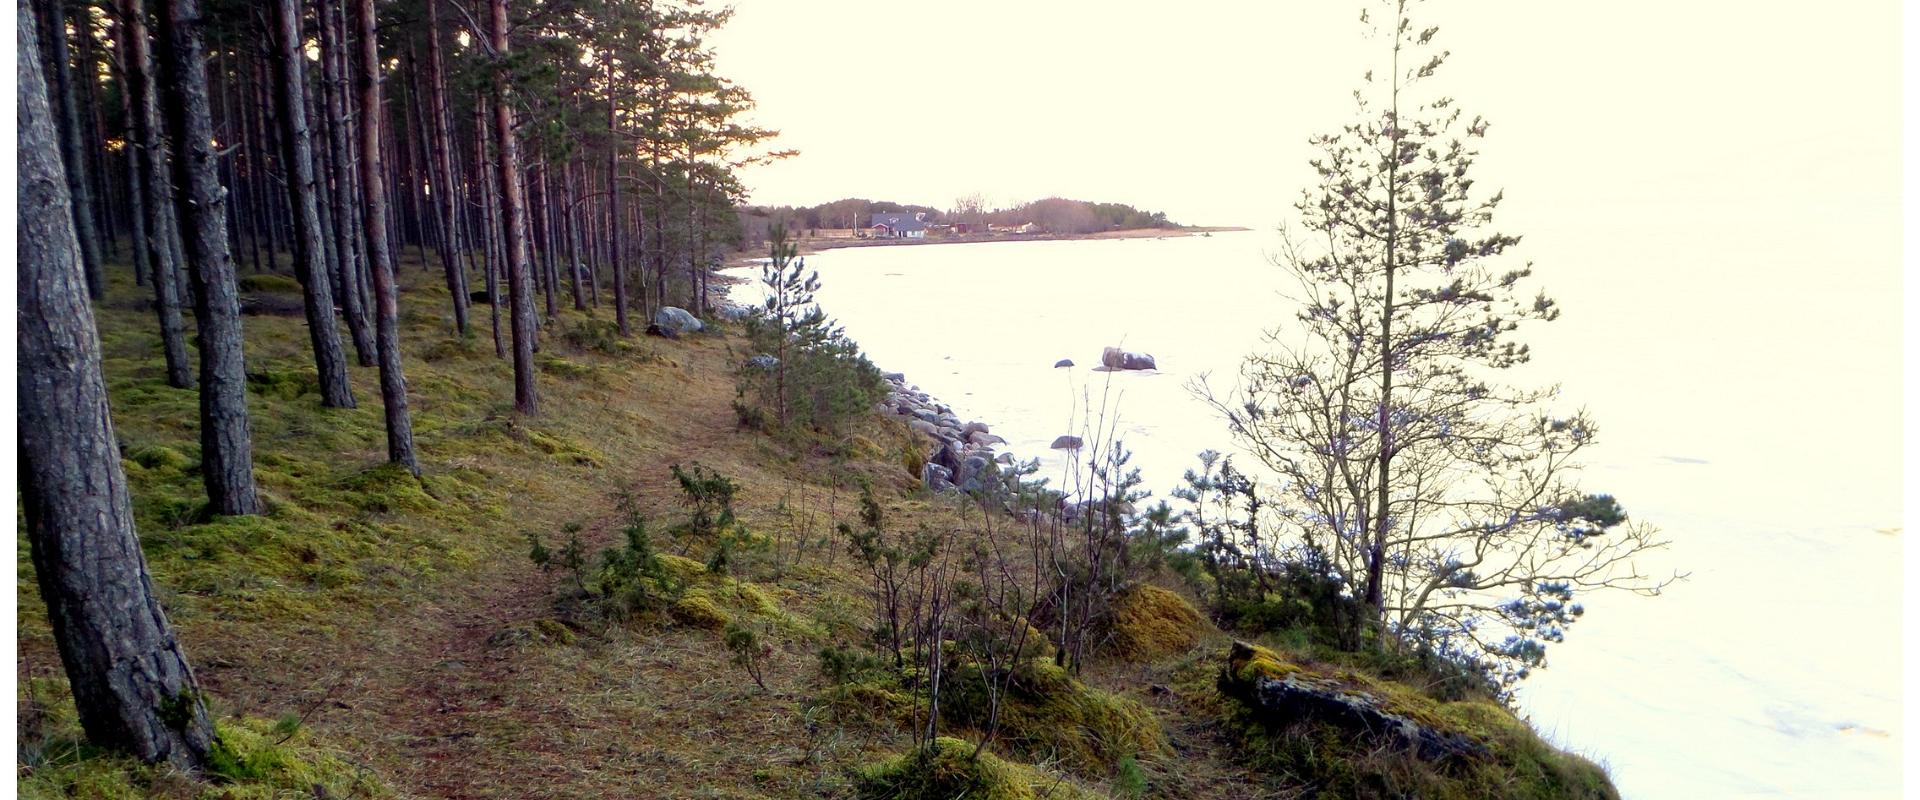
[898,226]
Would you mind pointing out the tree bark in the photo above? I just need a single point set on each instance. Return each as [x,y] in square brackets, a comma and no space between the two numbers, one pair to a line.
[155,237]
[526,399]
[614,262]
[346,205]
[309,261]
[393,383]
[226,434]
[131,683]
[572,235]
[445,195]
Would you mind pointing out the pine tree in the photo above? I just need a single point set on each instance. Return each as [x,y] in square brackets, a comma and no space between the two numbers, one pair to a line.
[131,683]
[1445,502]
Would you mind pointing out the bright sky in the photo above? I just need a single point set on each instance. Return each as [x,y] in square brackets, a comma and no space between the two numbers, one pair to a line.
[1202,108]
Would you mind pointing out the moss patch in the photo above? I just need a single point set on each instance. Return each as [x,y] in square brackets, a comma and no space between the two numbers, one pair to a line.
[1047,714]
[254,758]
[948,769]
[1151,623]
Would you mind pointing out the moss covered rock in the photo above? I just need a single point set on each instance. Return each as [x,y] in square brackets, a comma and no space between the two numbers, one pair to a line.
[948,768]
[1353,735]
[1151,623]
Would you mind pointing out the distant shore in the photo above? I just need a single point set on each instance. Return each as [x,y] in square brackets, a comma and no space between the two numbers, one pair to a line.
[808,245]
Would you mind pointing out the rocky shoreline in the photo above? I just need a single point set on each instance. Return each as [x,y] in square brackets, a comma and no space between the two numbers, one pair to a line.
[964,456]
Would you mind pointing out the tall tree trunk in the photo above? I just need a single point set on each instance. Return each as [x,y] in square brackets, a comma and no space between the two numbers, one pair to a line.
[309,259]
[393,383]
[490,208]
[266,207]
[445,195]
[615,262]
[131,683]
[136,196]
[93,128]
[149,156]
[513,211]
[572,235]
[72,151]
[226,434]
[346,204]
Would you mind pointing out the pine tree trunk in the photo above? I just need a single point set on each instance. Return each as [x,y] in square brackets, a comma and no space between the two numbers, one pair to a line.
[490,209]
[131,683]
[572,233]
[148,157]
[346,205]
[614,261]
[444,192]
[136,197]
[226,434]
[393,383]
[309,261]
[72,153]
[513,211]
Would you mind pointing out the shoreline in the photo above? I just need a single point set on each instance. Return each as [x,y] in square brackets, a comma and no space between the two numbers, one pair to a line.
[816,244]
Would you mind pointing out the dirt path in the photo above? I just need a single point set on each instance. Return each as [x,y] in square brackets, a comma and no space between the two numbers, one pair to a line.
[430,696]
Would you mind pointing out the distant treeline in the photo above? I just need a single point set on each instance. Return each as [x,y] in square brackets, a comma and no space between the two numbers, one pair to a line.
[1051,215]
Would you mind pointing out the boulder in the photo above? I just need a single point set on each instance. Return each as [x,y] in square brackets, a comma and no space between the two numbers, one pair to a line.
[924,428]
[1118,359]
[972,427]
[763,362]
[1065,362]
[1281,694]
[984,439]
[733,313]
[1067,442]
[896,377]
[675,322]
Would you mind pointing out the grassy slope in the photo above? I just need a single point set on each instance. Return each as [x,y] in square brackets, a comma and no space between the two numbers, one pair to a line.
[404,625]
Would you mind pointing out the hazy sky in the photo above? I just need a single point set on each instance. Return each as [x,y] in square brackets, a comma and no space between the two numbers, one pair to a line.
[1202,108]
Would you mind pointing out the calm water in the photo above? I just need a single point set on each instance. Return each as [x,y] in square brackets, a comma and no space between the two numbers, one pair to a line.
[1756,422]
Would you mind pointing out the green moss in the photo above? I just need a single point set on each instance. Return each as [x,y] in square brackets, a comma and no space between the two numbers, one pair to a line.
[698,610]
[160,457]
[285,384]
[948,769]
[275,284]
[253,758]
[1048,714]
[384,489]
[1151,623]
